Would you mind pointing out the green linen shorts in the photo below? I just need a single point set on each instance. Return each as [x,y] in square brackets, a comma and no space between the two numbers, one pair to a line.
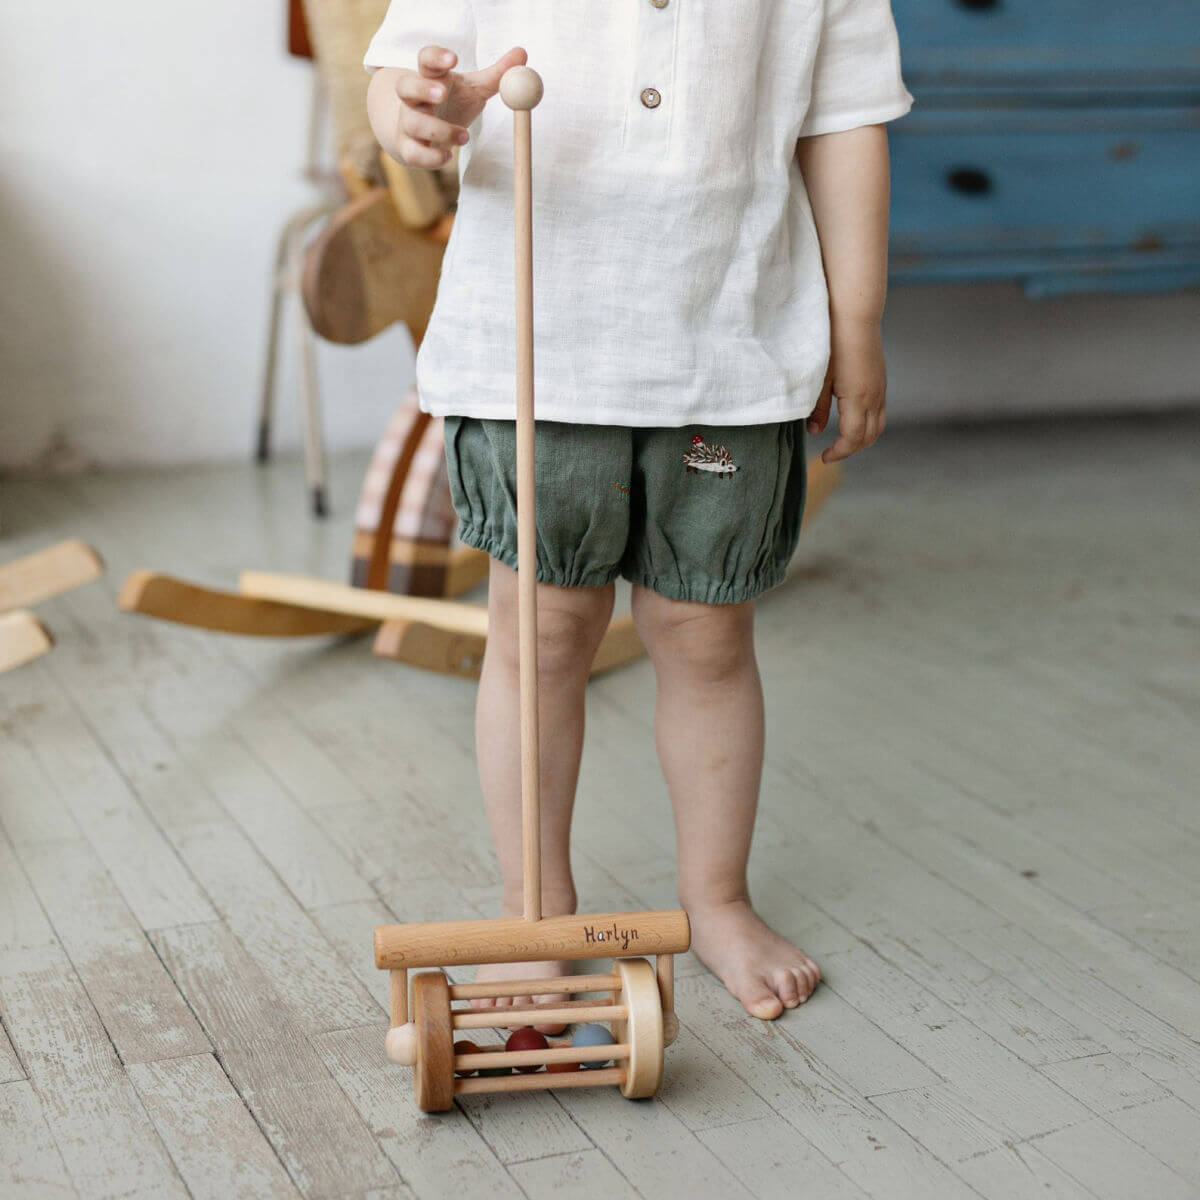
[707,513]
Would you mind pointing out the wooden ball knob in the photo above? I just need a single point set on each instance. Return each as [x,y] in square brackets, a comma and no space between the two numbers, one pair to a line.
[521,88]
[401,1044]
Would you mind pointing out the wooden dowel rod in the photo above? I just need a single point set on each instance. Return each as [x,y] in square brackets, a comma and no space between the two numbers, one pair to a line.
[503,1018]
[535,1009]
[534,987]
[398,995]
[542,1081]
[665,969]
[531,816]
[538,1058]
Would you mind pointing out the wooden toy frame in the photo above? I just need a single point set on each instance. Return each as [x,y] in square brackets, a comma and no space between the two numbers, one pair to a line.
[638,1000]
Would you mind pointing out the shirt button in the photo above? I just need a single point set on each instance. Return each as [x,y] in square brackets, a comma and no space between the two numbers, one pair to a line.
[660,3]
[650,96]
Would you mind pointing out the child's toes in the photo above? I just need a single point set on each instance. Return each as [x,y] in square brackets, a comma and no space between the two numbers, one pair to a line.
[813,973]
[556,1027]
[788,987]
[805,982]
[759,999]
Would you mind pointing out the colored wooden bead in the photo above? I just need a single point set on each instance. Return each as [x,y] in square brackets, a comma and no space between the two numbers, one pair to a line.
[593,1035]
[526,1039]
[465,1047]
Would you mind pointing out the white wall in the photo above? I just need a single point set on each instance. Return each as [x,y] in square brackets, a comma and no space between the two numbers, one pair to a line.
[149,153]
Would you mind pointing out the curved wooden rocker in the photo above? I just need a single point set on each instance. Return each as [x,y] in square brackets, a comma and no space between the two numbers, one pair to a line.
[27,581]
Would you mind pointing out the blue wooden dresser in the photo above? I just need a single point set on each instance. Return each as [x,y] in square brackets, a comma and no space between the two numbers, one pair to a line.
[1056,142]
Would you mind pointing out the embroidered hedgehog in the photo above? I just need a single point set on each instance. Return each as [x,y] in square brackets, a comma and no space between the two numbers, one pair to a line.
[709,458]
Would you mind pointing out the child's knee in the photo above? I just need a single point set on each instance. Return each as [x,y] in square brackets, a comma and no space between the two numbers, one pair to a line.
[708,642]
[568,634]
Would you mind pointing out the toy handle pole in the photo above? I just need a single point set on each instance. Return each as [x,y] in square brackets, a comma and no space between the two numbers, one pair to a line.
[521,90]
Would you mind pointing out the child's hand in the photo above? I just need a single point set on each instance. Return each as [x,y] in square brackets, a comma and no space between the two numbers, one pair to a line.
[857,376]
[438,103]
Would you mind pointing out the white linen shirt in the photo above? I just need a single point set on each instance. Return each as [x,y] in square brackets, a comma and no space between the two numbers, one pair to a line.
[677,272]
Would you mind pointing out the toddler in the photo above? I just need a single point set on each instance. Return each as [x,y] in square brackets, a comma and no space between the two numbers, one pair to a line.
[710,221]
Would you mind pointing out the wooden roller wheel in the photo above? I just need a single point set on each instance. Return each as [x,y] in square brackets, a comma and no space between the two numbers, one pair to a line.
[642,1030]
[433,1074]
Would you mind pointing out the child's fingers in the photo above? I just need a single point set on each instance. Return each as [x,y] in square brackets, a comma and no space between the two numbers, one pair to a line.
[852,432]
[417,154]
[435,61]
[819,417]
[416,91]
[487,81]
[433,131]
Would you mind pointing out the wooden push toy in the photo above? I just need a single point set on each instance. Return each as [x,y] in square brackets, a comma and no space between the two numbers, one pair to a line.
[633,1020]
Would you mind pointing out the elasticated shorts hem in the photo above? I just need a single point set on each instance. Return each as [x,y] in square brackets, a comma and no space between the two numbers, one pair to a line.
[711,593]
[482,540]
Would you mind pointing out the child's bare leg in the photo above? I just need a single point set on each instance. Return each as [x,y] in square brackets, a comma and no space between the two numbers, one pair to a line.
[571,624]
[708,726]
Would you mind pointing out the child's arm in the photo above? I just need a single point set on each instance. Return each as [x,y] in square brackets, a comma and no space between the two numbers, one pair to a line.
[419,116]
[846,175]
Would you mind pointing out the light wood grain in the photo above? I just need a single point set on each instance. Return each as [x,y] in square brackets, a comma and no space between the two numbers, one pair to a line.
[305,1115]
[519,940]
[35,577]
[531,987]
[30,1164]
[154,594]
[582,1175]
[23,638]
[324,596]
[436,1157]
[137,1001]
[211,1136]
[107,1143]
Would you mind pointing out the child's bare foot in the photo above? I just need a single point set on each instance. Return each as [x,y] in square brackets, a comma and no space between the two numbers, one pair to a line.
[758,966]
[491,972]
[555,903]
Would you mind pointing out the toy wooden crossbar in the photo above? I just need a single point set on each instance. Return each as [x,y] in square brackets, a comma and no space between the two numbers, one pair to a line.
[506,940]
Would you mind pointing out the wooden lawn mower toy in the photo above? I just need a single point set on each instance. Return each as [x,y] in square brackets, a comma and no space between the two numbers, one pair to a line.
[633,1019]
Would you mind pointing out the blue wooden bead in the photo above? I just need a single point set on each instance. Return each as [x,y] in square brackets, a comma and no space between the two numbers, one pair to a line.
[592,1035]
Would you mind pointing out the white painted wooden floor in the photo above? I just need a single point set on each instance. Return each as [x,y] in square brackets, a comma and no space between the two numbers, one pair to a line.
[979,815]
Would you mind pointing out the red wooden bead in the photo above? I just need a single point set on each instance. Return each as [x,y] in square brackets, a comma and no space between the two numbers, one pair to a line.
[465,1047]
[526,1039]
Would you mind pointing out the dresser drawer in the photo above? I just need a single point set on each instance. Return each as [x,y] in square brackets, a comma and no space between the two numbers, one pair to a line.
[1004,182]
[1051,43]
